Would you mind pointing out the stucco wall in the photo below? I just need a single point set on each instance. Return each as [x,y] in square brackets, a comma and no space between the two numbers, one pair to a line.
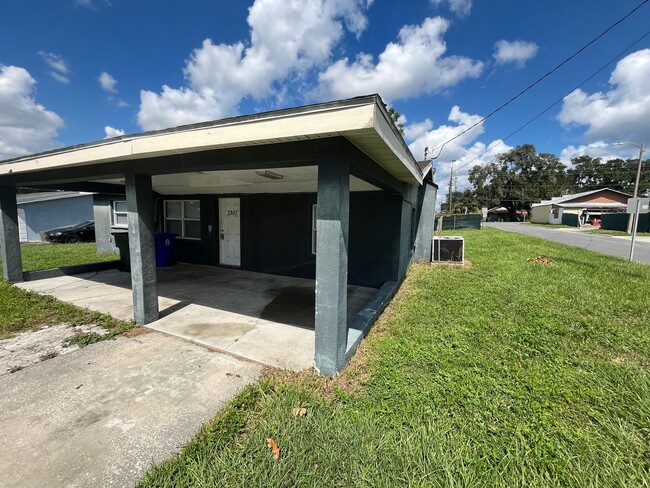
[50,214]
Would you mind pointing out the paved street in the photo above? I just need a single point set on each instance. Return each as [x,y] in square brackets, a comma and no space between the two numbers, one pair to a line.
[612,245]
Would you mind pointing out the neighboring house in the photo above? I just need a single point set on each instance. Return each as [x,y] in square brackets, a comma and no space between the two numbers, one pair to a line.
[41,211]
[579,208]
[498,214]
[329,192]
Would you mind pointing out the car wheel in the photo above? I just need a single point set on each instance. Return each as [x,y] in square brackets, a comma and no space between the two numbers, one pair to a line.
[72,239]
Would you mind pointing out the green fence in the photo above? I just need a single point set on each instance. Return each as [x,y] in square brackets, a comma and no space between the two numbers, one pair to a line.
[618,221]
[570,219]
[451,222]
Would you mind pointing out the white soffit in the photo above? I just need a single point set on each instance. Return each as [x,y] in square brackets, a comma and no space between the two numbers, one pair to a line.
[293,180]
[363,122]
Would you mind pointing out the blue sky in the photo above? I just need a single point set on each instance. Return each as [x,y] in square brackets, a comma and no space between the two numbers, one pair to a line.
[75,71]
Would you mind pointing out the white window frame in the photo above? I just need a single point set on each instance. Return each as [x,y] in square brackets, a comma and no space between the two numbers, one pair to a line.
[183,219]
[115,213]
[313,229]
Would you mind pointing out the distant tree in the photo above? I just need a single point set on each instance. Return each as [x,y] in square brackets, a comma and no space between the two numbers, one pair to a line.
[395,115]
[589,173]
[463,202]
[518,178]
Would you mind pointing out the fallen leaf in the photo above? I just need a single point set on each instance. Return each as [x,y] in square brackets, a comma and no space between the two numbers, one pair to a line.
[299,411]
[540,260]
[274,448]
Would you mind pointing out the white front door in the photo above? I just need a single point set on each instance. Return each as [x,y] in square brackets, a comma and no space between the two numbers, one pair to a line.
[229,238]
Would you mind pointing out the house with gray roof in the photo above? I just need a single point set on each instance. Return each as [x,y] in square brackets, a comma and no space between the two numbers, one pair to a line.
[328,193]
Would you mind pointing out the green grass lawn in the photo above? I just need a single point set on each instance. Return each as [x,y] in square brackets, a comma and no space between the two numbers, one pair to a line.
[45,256]
[502,373]
[552,226]
[22,310]
[615,232]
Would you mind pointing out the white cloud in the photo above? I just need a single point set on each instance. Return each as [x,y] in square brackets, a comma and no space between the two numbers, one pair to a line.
[417,129]
[25,126]
[461,8]
[598,149]
[112,132]
[60,69]
[620,113]
[434,138]
[412,66]
[287,38]
[122,103]
[107,82]
[466,151]
[517,52]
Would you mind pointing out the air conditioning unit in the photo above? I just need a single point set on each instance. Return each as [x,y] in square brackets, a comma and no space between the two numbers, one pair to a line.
[448,249]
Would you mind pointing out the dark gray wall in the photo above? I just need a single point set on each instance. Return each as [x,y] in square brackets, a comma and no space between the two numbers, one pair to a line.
[276,235]
[49,214]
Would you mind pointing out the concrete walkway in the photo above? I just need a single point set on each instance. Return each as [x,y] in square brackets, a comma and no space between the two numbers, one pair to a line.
[604,244]
[264,318]
[102,415]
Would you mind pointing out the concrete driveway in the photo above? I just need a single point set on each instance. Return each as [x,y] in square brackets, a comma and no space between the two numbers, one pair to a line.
[261,317]
[604,244]
[102,415]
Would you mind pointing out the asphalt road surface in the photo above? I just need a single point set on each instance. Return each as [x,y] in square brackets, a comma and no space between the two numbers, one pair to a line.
[605,244]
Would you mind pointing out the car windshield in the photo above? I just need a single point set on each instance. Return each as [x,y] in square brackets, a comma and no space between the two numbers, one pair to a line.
[83,224]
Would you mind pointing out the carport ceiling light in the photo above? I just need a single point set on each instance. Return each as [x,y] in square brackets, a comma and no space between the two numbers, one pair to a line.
[269,174]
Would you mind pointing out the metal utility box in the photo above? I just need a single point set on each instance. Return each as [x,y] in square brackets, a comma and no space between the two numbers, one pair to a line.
[448,249]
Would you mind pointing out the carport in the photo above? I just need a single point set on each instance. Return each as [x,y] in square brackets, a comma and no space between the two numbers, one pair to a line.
[328,192]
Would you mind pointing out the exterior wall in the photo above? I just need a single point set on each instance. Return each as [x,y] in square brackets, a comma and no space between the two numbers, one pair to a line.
[276,233]
[49,214]
[558,219]
[540,214]
[604,196]
[102,211]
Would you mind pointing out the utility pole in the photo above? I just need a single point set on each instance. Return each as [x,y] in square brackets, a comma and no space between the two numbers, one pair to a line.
[451,188]
[638,178]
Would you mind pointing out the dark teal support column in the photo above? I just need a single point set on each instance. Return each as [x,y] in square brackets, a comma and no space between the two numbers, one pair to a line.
[332,223]
[424,235]
[140,207]
[12,263]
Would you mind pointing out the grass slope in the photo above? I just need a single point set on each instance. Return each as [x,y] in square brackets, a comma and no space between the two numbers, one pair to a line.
[503,373]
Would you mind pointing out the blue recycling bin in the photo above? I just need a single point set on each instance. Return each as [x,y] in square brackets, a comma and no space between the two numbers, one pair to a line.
[164,248]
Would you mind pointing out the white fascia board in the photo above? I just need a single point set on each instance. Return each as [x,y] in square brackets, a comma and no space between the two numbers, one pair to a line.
[326,122]
[409,171]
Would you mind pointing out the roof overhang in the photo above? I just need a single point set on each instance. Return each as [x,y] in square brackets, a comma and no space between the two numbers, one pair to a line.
[364,121]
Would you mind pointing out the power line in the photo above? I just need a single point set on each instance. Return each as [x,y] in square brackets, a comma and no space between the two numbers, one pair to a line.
[530,121]
[546,75]
[630,163]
